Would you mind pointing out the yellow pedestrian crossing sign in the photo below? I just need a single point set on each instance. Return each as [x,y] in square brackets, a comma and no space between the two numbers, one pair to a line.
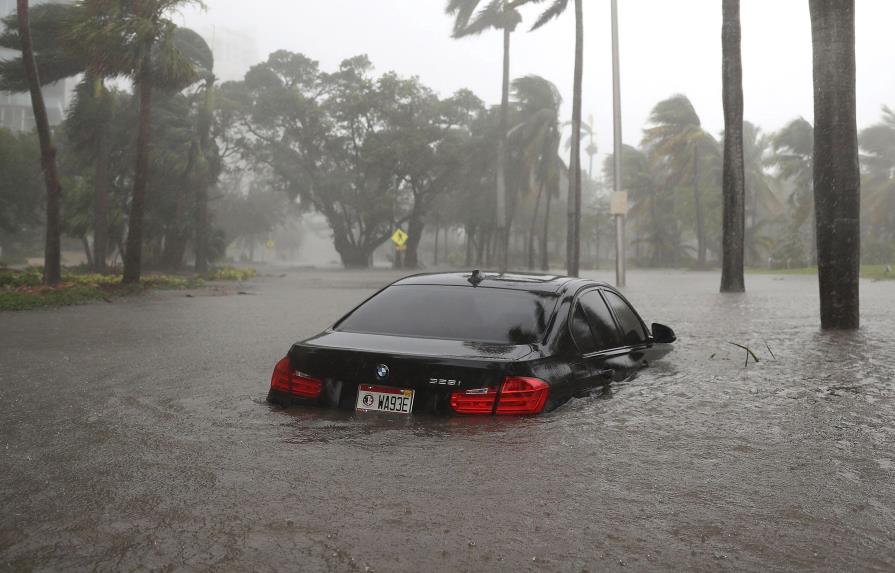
[399,237]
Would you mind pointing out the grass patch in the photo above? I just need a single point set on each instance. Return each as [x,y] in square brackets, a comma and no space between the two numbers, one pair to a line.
[877,272]
[23,290]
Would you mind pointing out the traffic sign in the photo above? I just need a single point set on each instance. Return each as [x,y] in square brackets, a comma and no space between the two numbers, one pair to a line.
[399,237]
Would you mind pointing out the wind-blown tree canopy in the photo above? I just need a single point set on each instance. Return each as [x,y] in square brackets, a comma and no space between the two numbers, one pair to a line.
[537,136]
[573,241]
[793,159]
[676,137]
[139,41]
[878,163]
[348,145]
[471,19]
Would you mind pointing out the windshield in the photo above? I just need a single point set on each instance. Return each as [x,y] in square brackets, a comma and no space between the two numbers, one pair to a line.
[499,316]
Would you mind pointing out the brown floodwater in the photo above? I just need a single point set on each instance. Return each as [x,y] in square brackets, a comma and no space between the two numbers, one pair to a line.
[135,435]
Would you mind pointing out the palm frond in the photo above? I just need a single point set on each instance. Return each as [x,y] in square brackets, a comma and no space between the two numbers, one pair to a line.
[554,11]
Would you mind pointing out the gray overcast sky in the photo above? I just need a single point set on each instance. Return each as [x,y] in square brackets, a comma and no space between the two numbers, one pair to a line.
[667,47]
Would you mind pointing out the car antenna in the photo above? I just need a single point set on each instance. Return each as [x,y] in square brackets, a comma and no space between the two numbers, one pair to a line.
[476,277]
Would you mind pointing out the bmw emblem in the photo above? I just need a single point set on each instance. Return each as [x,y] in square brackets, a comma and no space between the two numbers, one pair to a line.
[381,372]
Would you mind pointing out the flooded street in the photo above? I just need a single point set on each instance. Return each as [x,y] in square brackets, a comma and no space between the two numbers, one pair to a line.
[135,435]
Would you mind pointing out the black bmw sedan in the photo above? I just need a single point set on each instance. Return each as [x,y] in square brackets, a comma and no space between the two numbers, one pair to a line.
[471,343]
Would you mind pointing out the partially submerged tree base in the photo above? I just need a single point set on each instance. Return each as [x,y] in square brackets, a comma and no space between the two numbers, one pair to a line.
[837,178]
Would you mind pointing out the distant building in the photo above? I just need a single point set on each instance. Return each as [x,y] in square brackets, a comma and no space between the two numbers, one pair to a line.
[15,109]
[235,51]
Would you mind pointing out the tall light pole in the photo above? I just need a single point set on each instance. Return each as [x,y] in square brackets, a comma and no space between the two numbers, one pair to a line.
[619,204]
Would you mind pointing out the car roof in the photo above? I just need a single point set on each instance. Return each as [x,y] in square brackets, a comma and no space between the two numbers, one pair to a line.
[530,282]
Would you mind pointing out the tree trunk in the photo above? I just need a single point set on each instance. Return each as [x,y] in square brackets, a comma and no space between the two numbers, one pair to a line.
[502,163]
[700,224]
[734,177]
[415,228]
[53,247]
[205,181]
[545,254]
[469,244]
[87,253]
[435,257]
[837,180]
[573,236]
[531,231]
[101,204]
[133,256]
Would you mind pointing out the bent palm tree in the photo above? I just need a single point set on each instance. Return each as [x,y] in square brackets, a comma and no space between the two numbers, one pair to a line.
[677,139]
[793,157]
[136,40]
[538,134]
[573,241]
[469,20]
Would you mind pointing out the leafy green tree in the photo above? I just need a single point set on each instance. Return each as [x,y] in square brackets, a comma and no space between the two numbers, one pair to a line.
[20,186]
[676,138]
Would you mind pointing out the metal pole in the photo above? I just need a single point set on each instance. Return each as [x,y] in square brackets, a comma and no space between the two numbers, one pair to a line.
[617,153]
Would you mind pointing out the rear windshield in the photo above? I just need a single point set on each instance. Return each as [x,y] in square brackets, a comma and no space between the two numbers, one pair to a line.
[477,314]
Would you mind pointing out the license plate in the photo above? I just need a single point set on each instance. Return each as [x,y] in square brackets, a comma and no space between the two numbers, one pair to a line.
[384,399]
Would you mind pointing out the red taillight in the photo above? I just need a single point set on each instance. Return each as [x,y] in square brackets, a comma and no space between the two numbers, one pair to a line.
[476,401]
[286,379]
[522,396]
[517,396]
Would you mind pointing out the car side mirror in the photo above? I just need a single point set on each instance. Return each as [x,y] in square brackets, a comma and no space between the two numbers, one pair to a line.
[663,334]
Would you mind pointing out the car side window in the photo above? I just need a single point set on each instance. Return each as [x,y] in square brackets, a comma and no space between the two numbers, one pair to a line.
[581,332]
[604,330]
[632,329]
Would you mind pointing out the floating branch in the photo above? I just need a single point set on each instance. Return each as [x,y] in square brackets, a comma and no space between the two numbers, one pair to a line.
[748,353]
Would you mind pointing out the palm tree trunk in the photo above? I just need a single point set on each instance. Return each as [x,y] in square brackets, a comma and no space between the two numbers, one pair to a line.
[435,257]
[531,231]
[205,119]
[573,237]
[502,232]
[134,253]
[700,224]
[53,248]
[545,254]
[837,181]
[101,203]
[734,177]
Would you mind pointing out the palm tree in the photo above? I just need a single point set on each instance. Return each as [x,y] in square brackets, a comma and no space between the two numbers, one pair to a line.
[52,251]
[677,139]
[878,161]
[763,205]
[837,176]
[136,40]
[538,134]
[793,157]
[734,176]
[469,20]
[573,241]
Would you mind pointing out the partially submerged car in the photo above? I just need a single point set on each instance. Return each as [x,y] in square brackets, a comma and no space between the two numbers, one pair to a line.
[471,343]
